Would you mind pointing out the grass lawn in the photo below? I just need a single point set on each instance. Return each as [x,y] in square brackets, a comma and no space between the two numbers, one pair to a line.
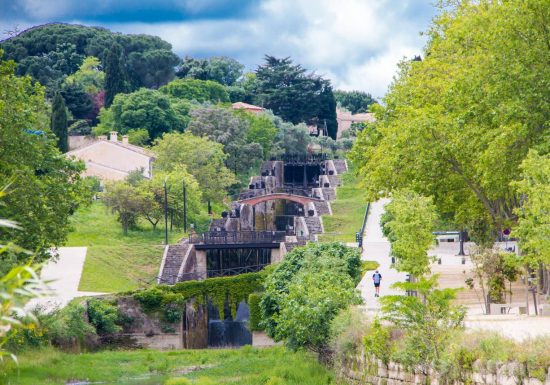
[347,212]
[246,366]
[115,262]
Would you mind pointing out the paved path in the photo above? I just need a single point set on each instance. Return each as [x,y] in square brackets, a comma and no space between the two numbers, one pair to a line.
[377,248]
[63,276]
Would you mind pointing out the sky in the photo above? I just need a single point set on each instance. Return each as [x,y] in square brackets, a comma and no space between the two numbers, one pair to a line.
[355,43]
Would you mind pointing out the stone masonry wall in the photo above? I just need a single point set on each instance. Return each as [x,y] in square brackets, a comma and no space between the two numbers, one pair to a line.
[363,371]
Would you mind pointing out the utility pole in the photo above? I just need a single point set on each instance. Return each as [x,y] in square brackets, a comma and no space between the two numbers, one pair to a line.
[165,213]
[184,207]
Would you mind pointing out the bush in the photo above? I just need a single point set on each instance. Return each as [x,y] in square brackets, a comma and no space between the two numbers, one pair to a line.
[346,331]
[68,328]
[255,311]
[377,341]
[104,316]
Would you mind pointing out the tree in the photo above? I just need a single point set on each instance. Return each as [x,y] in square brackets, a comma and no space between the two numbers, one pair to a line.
[89,75]
[291,139]
[221,69]
[409,223]
[354,101]
[43,187]
[149,109]
[59,122]
[533,228]
[261,130]
[199,90]
[458,124]
[115,74]
[428,321]
[291,93]
[305,292]
[126,201]
[203,158]
[152,68]
[218,124]
[79,103]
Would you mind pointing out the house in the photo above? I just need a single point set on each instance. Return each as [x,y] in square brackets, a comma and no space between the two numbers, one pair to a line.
[247,107]
[346,119]
[113,159]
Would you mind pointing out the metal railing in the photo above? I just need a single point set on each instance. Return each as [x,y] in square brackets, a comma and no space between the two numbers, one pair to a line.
[359,236]
[201,275]
[237,237]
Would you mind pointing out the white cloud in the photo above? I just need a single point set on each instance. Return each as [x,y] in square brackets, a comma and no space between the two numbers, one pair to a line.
[356,43]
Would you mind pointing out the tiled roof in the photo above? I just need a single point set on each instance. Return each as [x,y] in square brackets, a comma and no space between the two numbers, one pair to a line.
[246,106]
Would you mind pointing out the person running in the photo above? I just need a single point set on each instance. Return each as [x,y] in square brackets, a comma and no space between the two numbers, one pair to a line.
[376,278]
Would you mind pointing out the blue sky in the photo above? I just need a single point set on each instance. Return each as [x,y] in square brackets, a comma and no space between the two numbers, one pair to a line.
[355,43]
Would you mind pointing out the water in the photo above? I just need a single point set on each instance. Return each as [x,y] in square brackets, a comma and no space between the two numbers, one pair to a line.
[228,332]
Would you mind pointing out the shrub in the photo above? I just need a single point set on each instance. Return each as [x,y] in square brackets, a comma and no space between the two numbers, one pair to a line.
[104,316]
[68,328]
[255,312]
[377,342]
[346,331]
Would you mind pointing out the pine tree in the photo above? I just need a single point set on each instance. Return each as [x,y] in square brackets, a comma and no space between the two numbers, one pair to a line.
[59,122]
[115,75]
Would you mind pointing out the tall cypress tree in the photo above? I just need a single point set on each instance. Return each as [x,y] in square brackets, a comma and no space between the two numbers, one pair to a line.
[58,123]
[115,75]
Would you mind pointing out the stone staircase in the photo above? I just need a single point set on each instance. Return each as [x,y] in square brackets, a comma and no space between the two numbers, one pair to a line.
[329,193]
[172,263]
[340,166]
[292,245]
[322,208]
[314,225]
[334,180]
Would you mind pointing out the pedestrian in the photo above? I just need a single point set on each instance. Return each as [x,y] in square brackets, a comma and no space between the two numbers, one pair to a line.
[376,278]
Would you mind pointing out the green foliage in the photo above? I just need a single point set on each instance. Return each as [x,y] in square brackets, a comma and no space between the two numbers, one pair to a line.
[346,334]
[428,321]
[255,311]
[78,102]
[306,291]
[354,101]
[104,316]
[149,109]
[221,69]
[203,158]
[247,366]
[126,201]
[139,136]
[261,130]
[67,327]
[115,75]
[232,290]
[295,96]
[50,52]
[377,341]
[89,75]
[533,229]
[198,90]
[458,124]
[44,187]
[408,223]
[58,123]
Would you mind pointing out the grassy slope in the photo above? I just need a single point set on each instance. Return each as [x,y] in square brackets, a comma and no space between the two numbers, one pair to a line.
[115,262]
[246,366]
[347,212]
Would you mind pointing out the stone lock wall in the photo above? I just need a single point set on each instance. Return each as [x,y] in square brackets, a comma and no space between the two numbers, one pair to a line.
[361,370]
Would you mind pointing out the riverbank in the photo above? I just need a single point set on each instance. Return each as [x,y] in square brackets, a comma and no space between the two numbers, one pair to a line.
[245,366]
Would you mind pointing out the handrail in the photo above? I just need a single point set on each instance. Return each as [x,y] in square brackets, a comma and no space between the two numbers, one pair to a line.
[237,237]
[362,232]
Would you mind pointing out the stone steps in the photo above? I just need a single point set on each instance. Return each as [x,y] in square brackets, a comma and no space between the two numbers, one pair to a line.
[329,193]
[334,180]
[322,208]
[340,166]
[172,263]
[314,225]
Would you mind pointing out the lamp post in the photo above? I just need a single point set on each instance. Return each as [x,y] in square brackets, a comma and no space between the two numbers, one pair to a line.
[165,213]
[184,207]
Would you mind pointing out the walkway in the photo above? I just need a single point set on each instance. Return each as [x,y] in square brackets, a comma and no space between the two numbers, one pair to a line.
[63,277]
[377,248]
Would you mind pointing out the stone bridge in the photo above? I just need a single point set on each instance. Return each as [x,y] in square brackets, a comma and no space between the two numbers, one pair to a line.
[274,196]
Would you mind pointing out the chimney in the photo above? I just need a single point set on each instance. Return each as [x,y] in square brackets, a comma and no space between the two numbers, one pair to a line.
[114,136]
[102,137]
[125,139]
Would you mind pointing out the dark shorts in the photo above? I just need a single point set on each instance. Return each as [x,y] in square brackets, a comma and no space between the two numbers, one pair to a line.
[377,284]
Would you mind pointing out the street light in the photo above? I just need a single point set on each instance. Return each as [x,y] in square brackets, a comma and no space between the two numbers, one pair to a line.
[165,213]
